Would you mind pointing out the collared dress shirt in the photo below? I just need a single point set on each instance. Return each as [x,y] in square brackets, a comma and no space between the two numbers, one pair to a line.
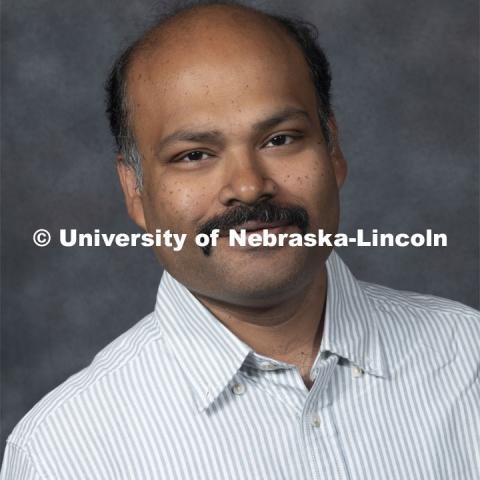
[396,396]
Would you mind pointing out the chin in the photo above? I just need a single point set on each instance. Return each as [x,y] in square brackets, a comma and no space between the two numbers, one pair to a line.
[265,276]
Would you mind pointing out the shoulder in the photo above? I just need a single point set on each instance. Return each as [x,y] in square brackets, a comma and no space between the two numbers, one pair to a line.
[108,365]
[435,321]
[389,298]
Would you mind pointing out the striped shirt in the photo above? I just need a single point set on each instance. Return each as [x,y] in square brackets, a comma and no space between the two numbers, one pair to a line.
[396,396]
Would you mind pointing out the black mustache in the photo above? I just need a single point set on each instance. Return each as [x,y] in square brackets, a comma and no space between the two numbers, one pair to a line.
[264,212]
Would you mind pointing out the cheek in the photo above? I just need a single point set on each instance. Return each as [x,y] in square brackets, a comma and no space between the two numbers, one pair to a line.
[311,184]
[310,181]
[174,203]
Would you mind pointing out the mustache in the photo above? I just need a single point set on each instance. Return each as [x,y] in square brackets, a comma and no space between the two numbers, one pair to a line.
[265,212]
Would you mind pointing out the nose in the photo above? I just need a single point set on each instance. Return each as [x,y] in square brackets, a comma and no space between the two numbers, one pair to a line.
[246,182]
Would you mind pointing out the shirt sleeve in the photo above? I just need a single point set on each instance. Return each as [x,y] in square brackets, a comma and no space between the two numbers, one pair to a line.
[17,465]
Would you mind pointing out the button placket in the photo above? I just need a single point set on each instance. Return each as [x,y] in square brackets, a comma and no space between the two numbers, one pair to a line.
[316,411]
[316,420]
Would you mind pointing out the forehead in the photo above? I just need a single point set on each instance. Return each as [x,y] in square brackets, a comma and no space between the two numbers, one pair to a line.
[215,66]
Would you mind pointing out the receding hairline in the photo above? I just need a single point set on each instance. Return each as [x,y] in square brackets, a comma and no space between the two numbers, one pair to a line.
[162,34]
[167,27]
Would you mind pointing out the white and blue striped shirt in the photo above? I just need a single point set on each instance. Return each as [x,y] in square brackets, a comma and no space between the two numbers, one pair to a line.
[178,396]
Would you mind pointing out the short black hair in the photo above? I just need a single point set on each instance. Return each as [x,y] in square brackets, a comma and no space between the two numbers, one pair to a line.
[304,33]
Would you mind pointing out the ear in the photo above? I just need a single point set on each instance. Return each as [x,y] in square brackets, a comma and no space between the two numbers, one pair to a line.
[338,160]
[133,198]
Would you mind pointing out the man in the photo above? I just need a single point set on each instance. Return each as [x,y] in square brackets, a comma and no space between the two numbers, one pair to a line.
[257,362]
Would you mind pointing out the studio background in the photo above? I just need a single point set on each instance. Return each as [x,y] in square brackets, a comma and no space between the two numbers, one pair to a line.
[405,93]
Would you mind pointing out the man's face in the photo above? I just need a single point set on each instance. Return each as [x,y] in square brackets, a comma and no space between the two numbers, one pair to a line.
[228,118]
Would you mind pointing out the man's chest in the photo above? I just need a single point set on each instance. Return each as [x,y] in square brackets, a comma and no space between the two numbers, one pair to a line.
[349,426]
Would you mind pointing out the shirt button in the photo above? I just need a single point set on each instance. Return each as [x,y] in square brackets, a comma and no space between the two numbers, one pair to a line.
[314,374]
[238,389]
[356,372]
[267,366]
[316,421]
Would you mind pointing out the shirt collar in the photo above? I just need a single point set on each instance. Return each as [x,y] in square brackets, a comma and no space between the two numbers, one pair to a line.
[208,353]
[211,355]
[351,324]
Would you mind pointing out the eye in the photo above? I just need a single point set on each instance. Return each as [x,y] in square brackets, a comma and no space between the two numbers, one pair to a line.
[279,140]
[194,156]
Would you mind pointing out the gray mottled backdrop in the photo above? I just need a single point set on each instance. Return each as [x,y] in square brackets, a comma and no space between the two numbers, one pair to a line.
[406,98]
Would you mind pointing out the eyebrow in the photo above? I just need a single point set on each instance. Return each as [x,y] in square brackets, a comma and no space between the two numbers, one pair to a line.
[279,117]
[216,136]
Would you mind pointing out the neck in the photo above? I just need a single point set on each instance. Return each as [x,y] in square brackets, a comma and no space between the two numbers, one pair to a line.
[289,331]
